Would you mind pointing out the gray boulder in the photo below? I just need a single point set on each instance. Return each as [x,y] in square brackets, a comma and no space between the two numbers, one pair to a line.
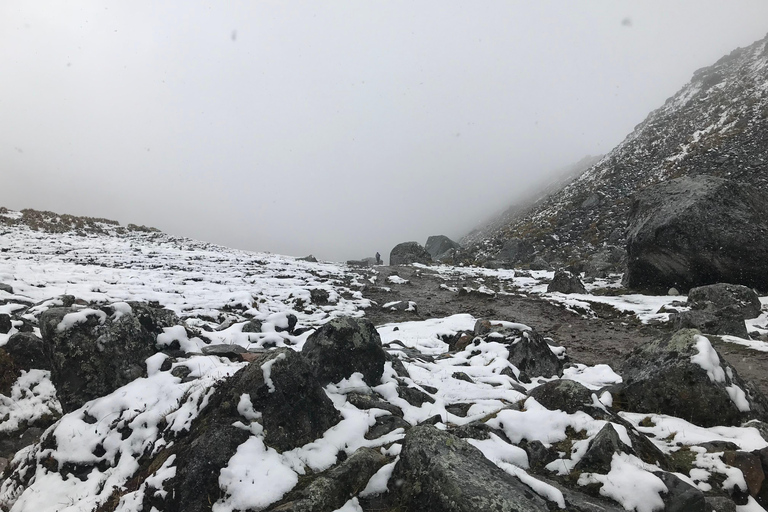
[344,346]
[5,323]
[711,321]
[6,288]
[680,496]
[540,264]
[409,252]
[722,295]
[697,230]
[599,454]
[94,352]
[438,245]
[440,472]
[566,282]
[679,377]
[563,394]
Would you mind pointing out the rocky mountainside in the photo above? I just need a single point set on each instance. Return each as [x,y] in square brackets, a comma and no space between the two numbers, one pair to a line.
[145,372]
[717,125]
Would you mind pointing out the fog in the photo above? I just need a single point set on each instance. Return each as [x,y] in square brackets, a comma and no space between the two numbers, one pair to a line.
[336,128]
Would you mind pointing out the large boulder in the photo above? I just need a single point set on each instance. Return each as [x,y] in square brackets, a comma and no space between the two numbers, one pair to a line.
[439,472]
[93,352]
[279,391]
[697,230]
[744,300]
[566,282]
[26,350]
[684,376]
[438,246]
[409,252]
[345,346]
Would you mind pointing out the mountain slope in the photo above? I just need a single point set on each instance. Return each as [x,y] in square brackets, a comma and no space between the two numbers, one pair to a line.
[717,124]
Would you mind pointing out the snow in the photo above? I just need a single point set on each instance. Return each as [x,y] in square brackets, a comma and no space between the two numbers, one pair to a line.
[215,291]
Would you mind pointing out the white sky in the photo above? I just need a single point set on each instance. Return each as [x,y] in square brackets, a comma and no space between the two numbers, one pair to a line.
[336,128]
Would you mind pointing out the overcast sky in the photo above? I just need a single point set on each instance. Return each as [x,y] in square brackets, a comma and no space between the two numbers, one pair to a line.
[336,128]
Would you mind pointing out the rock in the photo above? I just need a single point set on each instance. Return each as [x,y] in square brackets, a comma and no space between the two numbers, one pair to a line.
[10,444]
[718,322]
[252,326]
[741,299]
[9,372]
[386,424]
[599,454]
[697,230]
[438,245]
[439,472]
[530,353]
[673,292]
[362,401]
[5,323]
[230,351]
[538,454]
[684,376]
[344,346]
[609,259]
[563,394]
[719,504]
[402,305]
[414,396]
[6,288]
[516,250]
[331,489]
[26,350]
[566,282]
[310,259]
[407,253]
[319,296]
[750,466]
[93,353]
[680,496]
[292,321]
[539,264]
[367,262]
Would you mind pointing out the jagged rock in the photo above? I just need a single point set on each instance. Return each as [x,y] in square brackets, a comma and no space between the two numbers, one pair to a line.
[5,323]
[680,496]
[386,424]
[26,350]
[599,454]
[538,454]
[294,411]
[92,353]
[229,350]
[362,401]
[698,230]
[409,252]
[750,466]
[319,296]
[684,376]
[6,288]
[344,346]
[310,259]
[414,396]
[564,394]
[439,472]
[530,353]
[743,300]
[566,282]
[330,490]
[438,245]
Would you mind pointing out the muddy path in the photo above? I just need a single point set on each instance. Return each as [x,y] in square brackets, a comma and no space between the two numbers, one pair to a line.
[606,339]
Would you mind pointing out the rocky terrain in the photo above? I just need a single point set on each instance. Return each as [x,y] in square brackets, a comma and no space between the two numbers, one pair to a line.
[143,372]
[717,125]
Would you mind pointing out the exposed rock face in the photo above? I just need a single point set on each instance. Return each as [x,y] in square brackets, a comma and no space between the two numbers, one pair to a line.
[409,252]
[5,323]
[565,395]
[107,350]
[344,346]
[684,376]
[745,301]
[439,472]
[516,250]
[439,245]
[566,282]
[695,231]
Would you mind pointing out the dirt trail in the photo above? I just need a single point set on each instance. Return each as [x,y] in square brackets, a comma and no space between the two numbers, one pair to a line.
[588,340]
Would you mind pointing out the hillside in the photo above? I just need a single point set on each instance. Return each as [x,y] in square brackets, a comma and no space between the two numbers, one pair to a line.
[717,124]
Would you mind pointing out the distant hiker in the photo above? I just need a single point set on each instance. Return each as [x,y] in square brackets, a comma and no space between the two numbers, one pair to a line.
[378,258]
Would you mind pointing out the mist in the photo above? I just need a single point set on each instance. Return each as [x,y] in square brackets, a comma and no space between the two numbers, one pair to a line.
[333,128]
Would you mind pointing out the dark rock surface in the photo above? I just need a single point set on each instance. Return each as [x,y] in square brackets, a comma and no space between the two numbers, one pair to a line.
[516,250]
[565,395]
[439,245]
[409,252]
[695,231]
[108,350]
[660,377]
[344,346]
[599,454]
[566,282]
[742,299]
[439,472]
[26,350]
[680,496]
[5,323]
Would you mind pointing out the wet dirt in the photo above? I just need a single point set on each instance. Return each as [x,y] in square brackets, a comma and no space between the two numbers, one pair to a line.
[607,338]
